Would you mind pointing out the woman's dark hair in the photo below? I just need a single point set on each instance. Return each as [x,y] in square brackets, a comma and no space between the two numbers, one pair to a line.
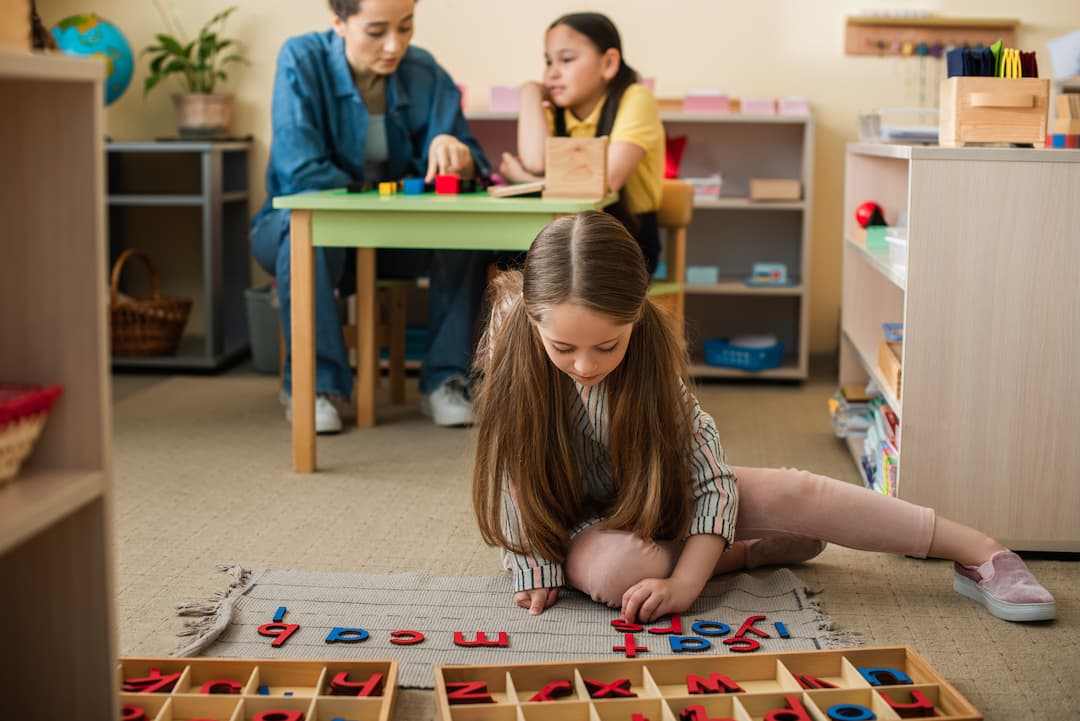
[599,29]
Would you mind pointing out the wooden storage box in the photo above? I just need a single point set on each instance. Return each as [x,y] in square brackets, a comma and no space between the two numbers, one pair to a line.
[993,110]
[888,360]
[775,189]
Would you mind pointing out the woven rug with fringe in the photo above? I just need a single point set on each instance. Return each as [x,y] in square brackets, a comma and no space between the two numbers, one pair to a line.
[365,609]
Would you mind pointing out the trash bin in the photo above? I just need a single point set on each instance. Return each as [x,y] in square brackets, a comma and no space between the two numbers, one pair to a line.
[264,327]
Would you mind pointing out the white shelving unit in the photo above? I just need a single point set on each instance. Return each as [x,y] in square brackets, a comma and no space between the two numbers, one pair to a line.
[56,516]
[990,304]
[731,231]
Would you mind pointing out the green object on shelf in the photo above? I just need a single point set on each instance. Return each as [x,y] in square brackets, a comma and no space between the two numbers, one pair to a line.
[875,237]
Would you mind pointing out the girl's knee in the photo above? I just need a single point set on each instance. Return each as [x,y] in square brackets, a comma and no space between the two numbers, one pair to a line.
[606,563]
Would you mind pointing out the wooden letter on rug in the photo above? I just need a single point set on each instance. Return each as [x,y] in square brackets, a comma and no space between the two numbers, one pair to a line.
[502,640]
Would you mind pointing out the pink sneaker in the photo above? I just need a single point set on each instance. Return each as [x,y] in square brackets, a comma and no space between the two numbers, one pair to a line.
[1005,586]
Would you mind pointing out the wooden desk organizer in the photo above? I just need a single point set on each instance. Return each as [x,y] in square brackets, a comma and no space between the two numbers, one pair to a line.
[993,110]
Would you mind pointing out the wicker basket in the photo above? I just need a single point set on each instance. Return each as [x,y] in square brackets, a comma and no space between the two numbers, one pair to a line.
[23,412]
[145,326]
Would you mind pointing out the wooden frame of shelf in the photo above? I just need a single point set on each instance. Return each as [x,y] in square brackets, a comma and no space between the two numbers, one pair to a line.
[56,516]
[989,303]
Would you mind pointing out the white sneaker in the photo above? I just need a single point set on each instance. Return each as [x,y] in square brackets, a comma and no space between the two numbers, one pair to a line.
[449,404]
[327,418]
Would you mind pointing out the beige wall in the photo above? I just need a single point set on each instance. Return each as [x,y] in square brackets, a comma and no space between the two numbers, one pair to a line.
[767,47]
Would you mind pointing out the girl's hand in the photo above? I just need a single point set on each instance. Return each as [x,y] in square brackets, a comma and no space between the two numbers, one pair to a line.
[448,155]
[534,93]
[653,598]
[511,168]
[536,600]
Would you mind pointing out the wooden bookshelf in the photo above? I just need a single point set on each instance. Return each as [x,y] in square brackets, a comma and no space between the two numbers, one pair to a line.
[990,306]
[56,516]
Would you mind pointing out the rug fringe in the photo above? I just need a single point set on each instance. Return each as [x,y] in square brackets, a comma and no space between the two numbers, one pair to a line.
[213,616]
[834,638]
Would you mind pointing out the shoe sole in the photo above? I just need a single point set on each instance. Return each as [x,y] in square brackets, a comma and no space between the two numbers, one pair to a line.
[447,420]
[1018,612]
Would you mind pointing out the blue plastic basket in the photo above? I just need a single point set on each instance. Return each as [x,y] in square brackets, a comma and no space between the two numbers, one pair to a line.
[718,352]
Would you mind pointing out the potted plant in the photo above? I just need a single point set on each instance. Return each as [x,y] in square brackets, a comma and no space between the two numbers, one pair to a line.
[200,66]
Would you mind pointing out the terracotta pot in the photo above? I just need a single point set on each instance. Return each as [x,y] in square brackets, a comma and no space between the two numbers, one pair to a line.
[203,115]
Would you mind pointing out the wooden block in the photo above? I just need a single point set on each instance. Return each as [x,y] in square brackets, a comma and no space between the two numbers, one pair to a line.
[993,110]
[889,354]
[1066,126]
[389,188]
[15,24]
[775,189]
[517,189]
[413,186]
[575,168]
[1068,106]
[447,184]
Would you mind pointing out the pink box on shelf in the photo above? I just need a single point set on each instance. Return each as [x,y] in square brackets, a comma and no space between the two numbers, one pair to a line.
[504,99]
[759,106]
[794,105]
[706,101]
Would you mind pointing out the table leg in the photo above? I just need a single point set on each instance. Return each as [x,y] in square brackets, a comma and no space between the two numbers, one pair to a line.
[303,342]
[366,322]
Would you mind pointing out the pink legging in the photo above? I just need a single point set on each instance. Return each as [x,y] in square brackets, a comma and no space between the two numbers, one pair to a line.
[772,502]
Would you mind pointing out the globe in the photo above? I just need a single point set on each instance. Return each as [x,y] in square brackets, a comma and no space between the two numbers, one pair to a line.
[88,35]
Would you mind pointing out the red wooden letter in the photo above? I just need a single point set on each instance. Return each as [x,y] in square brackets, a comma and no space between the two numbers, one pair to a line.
[280,632]
[221,686]
[717,683]
[154,683]
[629,647]
[743,645]
[468,692]
[132,713]
[620,688]
[342,686]
[920,707]
[554,690]
[811,682]
[748,627]
[482,639]
[795,711]
[625,626]
[405,638]
[675,627]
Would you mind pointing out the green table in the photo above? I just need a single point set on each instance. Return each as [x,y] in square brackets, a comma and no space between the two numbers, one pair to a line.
[367,221]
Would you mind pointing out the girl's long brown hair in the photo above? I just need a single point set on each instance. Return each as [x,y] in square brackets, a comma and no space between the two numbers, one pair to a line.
[523,401]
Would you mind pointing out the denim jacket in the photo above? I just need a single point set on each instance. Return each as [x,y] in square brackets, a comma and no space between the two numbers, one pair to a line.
[320,122]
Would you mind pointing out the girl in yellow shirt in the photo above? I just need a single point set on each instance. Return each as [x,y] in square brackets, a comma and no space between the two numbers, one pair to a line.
[588,90]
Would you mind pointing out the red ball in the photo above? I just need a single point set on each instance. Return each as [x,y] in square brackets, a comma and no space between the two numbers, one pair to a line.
[869,213]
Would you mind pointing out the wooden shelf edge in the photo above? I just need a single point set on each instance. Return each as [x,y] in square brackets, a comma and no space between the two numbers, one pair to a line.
[872,371]
[880,264]
[36,499]
[855,448]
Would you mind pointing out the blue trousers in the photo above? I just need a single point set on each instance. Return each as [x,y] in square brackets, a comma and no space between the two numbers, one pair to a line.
[458,278]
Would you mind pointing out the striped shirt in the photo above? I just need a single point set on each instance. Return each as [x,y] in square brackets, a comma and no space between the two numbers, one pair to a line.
[712,485]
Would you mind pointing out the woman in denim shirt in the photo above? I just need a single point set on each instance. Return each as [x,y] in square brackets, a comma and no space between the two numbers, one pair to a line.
[358,103]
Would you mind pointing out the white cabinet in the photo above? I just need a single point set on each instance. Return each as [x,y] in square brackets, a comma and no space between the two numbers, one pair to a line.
[58,659]
[990,397]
